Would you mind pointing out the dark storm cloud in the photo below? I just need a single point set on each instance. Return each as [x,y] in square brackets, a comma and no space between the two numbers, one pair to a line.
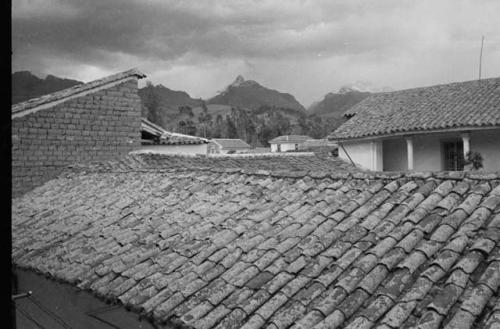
[307,47]
[168,30]
[109,26]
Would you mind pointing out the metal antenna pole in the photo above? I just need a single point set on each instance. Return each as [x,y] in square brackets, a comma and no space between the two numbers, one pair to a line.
[481,57]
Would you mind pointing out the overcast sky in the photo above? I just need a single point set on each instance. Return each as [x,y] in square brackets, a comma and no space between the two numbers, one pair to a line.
[305,47]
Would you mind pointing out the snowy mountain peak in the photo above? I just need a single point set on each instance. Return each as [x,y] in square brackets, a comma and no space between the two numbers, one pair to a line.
[239,80]
[362,86]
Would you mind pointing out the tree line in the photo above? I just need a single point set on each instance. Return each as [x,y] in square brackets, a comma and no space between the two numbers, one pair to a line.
[256,127]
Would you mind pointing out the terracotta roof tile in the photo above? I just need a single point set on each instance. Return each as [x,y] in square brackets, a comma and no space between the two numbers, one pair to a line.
[223,248]
[468,104]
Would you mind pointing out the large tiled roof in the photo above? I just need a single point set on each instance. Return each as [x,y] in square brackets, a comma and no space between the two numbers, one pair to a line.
[467,105]
[75,91]
[290,139]
[228,143]
[225,248]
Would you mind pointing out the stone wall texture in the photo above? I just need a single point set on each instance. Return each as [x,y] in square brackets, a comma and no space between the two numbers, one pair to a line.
[103,125]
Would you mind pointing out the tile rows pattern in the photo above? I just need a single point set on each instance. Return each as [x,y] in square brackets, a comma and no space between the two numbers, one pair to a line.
[176,139]
[275,162]
[228,249]
[463,104]
[77,89]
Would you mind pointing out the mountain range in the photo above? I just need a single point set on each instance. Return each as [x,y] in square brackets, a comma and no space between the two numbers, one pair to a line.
[168,100]
[25,85]
[250,94]
[255,104]
[335,104]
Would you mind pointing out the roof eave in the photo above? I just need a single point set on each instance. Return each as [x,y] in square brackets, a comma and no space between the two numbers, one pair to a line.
[412,132]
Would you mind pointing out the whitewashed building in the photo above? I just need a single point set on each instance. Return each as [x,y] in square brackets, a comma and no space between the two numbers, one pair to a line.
[424,129]
[288,143]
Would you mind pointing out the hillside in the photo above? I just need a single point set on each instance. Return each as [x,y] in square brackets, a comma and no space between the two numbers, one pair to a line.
[250,94]
[25,85]
[169,100]
[161,104]
[335,104]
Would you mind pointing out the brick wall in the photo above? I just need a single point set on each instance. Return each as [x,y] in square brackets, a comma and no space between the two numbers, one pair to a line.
[99,126]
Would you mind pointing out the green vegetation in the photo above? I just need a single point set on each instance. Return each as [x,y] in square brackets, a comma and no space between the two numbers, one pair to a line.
[254,127]
[474,160]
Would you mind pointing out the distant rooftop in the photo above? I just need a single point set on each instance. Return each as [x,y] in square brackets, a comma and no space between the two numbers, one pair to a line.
[290,139]
[227,143]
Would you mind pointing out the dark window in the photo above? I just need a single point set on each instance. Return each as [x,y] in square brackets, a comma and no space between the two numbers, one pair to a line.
[278,147]
[296,147]
[453,158]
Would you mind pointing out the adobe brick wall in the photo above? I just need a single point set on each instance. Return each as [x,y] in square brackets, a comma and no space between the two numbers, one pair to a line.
[99,126]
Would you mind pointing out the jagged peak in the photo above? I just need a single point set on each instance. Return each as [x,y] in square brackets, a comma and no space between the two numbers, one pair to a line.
[241,82]
[238,81]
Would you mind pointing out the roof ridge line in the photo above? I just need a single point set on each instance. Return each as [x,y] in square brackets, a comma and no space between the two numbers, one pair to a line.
[435,85]
[314,174]
[60,96]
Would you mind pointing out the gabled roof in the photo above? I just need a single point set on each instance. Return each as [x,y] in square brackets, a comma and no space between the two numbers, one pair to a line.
[169,138]
[225,248]
[462,105]
[227,143]
[289,139]
[61,96]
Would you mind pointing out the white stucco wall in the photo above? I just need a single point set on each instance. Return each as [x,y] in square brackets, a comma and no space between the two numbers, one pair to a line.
[288,147]
[395,156]
[367,154]
[284,147]
[488,144]
[427,150]
[174,149]
[427,155]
